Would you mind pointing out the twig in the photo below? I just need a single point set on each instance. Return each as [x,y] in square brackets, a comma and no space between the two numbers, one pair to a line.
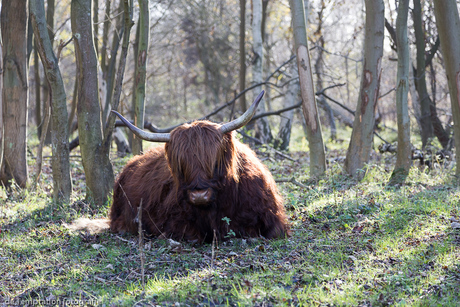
[46,122]
[338,103]
[214,240]
[377,135]
[141,244]
[329,87]
[278,112]
[293,181]
[261,143]
[61,46]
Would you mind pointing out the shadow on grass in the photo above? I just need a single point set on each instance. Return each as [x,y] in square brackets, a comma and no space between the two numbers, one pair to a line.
[378,247]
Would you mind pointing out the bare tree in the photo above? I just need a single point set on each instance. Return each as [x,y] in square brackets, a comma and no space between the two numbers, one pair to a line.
[263,132]
[14,19]
[359,150]
[424,98]
[448,23]
[309,106]
[1,103]
[242,72]
[59,132]
[291,98]
[95,156]
[403,161]
[140,71]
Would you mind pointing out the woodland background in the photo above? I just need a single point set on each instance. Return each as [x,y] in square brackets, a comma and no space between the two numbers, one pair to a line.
[370,227]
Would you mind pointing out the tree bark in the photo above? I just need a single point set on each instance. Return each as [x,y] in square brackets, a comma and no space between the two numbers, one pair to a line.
[105,38]
[140,77]
[319,72]
[109,71]
[309,106]
[1,105]
[14,20]
[420,81]
[448,24]
[291,98]
[403,155]
[263,132]
[59,133]
[95,156]
[359,150]
[242,72]
[128,23]
[38,102]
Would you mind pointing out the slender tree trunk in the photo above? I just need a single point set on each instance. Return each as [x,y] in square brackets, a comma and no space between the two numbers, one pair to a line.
[420,81]
[291,98]
[46,90]
[73,109]
[110,69]
[262,127]
[309,106]
[1,105]
[429,120]
[95,156]
[139,80]
[38,102]
[448,23]
[319,73]
[128,23]
[359,150]
[105,38]
[59,133]
[96,25]
[403,155]
[14,20]
[242,72]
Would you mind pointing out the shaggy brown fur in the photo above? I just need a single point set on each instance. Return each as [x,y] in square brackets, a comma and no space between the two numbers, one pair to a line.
[199,157]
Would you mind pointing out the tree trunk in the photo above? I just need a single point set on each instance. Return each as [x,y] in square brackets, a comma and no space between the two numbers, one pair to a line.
[105,38]
[38,102]
[139,80]
[359,150]
[242,72]
[309,106]
[59,132]
[96,25]
[319,72]
[1,106]
[14,19]
[403,155]
[128,23]
[109,71]
[291,98]
[420,81]
[448,23]
[95,156]
[427,106]
[262,127]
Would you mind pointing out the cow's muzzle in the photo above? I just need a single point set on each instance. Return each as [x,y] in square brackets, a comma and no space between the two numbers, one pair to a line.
[200,197]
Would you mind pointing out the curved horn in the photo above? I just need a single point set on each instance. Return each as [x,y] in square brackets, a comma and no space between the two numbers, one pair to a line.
[147,136]
[243,119]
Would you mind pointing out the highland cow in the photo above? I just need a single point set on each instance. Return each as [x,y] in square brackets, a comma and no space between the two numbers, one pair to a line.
[203,184]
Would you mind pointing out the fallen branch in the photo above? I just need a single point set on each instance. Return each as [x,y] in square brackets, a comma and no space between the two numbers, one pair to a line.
[293,181]
[261,143]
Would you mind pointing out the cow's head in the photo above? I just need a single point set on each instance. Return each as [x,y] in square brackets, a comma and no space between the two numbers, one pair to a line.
[201,154]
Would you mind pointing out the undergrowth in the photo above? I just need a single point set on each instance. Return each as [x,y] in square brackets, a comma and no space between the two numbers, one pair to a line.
[353,244]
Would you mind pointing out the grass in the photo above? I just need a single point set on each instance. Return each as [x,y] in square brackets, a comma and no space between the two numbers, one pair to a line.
[353,244]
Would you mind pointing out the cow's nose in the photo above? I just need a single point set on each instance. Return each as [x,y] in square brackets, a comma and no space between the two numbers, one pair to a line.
[200,197]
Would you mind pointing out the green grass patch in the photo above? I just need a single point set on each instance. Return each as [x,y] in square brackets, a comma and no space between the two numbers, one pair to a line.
[353,244]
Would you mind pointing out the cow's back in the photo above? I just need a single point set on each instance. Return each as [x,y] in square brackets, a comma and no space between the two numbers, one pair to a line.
[144,178]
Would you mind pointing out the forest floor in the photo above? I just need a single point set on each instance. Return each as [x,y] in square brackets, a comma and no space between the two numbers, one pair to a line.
[353,243]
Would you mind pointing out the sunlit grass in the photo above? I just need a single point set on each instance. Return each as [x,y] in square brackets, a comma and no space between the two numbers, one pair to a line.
[353,243]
